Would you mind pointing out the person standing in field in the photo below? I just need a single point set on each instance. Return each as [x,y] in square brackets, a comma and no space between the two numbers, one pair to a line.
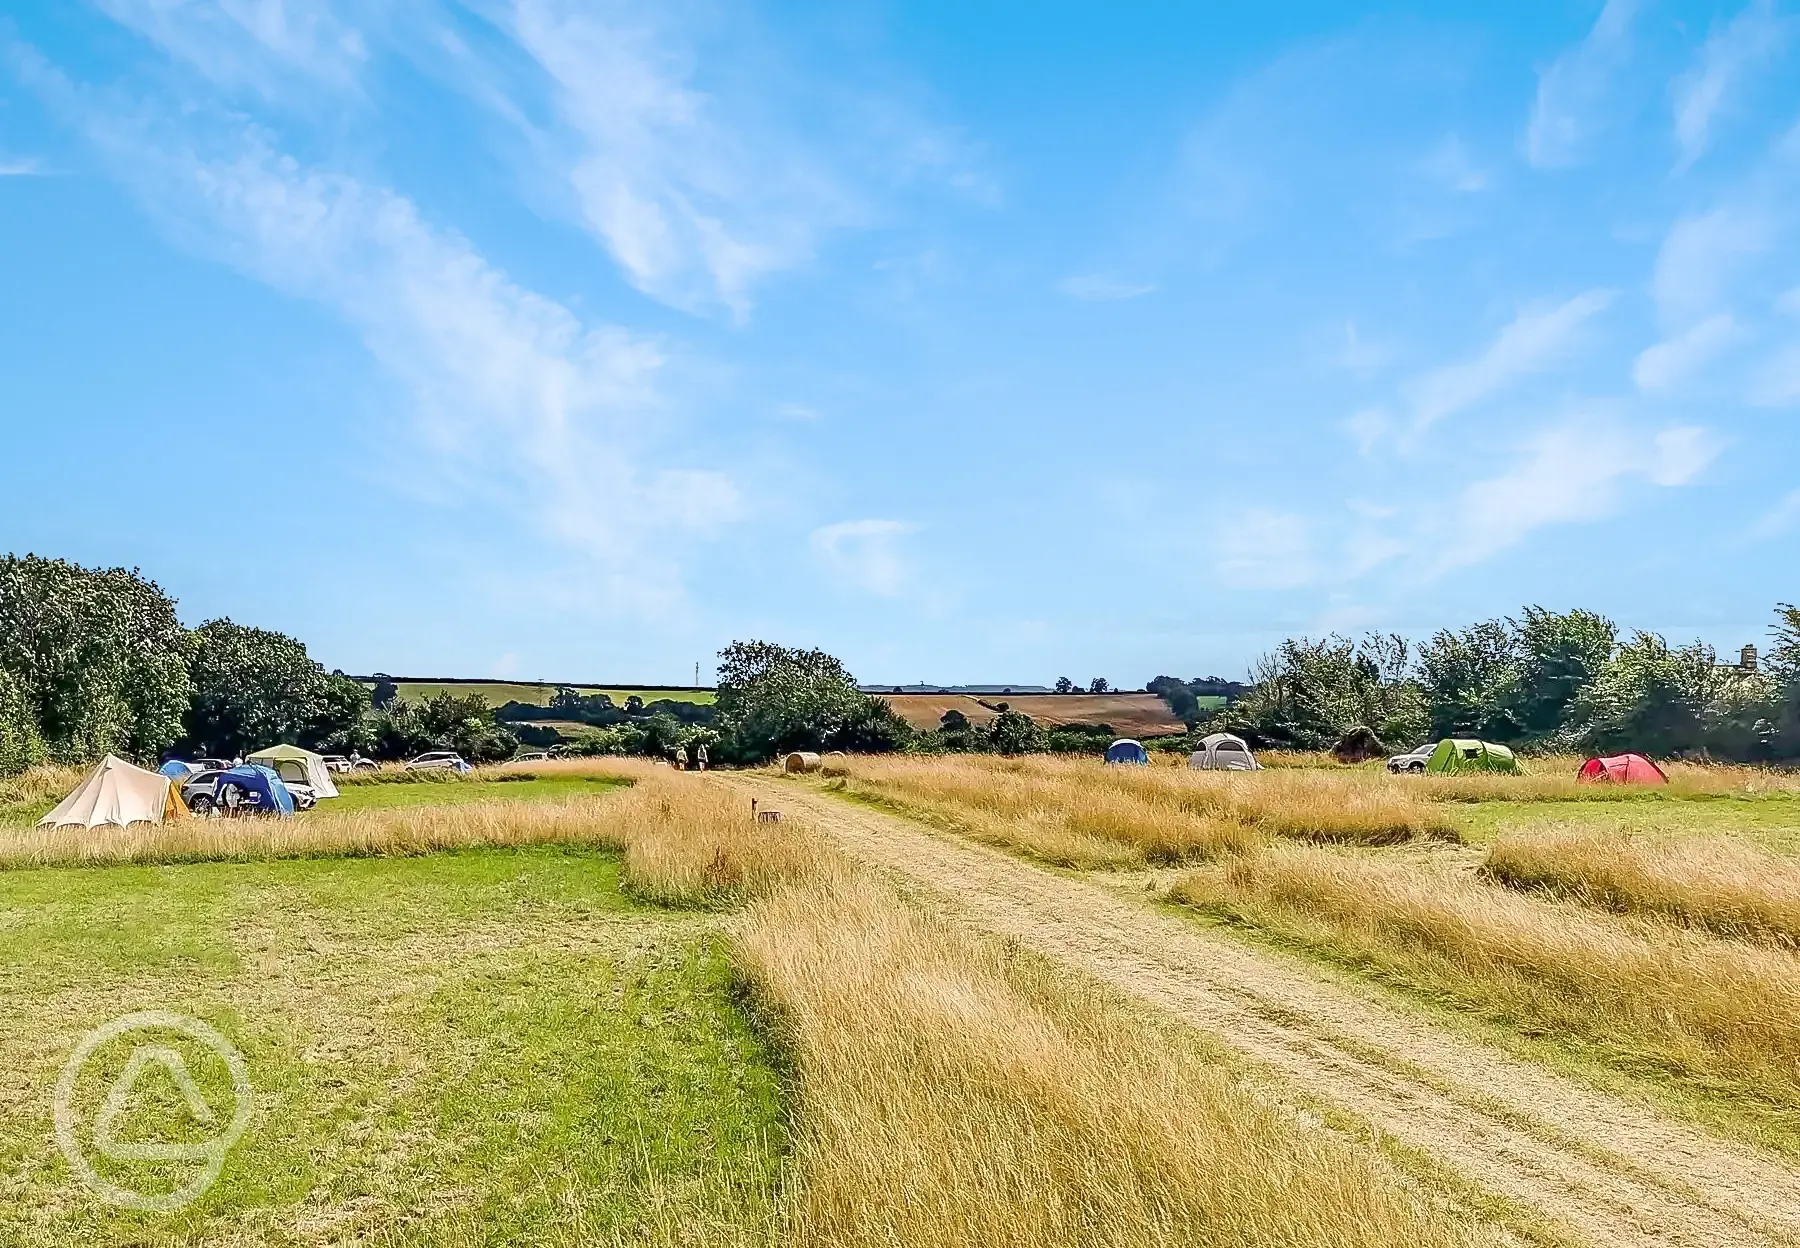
[700,755]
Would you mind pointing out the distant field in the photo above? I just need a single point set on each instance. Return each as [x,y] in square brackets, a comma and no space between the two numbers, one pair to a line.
[1133,714]
[498,693]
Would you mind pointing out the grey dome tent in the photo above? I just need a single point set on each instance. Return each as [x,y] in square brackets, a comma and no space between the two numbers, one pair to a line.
[1223,752]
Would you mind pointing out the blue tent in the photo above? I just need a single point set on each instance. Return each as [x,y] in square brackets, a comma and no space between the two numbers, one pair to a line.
[1125,750]
[258,788]
[177,770]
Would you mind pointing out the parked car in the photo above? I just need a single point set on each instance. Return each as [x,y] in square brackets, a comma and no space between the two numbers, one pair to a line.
[1413,761]
[200,793]
[532,756]
[440,760]
[337,763]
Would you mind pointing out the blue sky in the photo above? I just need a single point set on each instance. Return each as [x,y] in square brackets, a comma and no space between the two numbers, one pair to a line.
[565,339]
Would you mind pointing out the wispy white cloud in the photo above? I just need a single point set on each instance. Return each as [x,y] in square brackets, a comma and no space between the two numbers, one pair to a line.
[1699,258]
[1779,520]
[26,167]
[695,198]
[1367,427]
[1575,473]
[521,406]
[1666,365]
[1101,287]
[260,46]
[868,554]
[1450,165]
[1260,548]
[1534,340]
[1748,42]
[1573,91]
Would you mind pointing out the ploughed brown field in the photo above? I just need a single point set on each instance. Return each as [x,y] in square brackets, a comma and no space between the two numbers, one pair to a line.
[1133,714]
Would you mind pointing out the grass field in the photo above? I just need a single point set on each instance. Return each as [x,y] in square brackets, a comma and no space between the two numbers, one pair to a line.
[482,1019]
[492,1046]
[594,1002]
[1644,938]
[499,692]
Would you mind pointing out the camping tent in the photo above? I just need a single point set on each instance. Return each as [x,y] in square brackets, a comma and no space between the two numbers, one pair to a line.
[1460,754]
[178,771]
[1223,752]
[1622,769]
[297,766]
[1125,750]
[251,788]
[117,793]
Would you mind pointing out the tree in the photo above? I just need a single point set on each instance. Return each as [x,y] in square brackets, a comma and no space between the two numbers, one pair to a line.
[254,688]
[1783,668]
[20,744]
[1649,697]
[772,699]
[1559,656]
[1182,703]
[96,655]
[1308,694]
[1469,681]
[1064,685]
[1013,732]
[1098,685]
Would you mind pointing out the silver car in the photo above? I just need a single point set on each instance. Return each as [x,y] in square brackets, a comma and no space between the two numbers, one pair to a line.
[1412,763]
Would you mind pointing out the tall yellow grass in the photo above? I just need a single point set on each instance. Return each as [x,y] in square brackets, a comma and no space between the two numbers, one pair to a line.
[1646,991]
[949,1096]
[1718,883]
[686,840]
[1080,813]
[43,783]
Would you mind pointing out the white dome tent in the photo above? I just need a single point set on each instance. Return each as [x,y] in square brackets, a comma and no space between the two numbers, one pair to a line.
[1223,752]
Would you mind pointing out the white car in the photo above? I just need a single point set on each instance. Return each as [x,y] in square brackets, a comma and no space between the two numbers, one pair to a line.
[534,756]
[1413,761]
[440,760]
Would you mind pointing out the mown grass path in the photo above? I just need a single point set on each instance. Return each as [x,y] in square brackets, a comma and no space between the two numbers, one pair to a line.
[1610,1172]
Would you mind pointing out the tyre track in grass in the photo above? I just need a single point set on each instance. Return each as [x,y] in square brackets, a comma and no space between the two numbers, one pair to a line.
[1610,1172]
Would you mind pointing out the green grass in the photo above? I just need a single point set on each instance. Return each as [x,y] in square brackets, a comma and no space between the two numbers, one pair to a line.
[454,792]
[498,693]
[1770,820]
[491,1047]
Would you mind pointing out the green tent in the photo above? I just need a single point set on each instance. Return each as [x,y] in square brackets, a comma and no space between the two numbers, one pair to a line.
[1458,755]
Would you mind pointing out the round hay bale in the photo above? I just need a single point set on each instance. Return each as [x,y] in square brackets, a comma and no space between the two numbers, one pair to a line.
[801,762]
[1359,745]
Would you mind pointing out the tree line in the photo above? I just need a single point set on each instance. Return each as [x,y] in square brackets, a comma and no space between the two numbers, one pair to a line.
[1544,680]
[95,661]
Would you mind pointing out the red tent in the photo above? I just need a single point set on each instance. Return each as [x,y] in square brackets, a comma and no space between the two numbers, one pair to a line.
[1623,769]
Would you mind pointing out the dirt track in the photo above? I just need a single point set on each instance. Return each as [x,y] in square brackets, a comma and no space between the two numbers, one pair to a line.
[1609,1172]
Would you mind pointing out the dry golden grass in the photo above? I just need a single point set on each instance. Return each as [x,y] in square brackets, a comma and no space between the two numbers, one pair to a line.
[950,1095]
[1646,991]
[1717,883]
[40,784]
[686,841]
[1080,813]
